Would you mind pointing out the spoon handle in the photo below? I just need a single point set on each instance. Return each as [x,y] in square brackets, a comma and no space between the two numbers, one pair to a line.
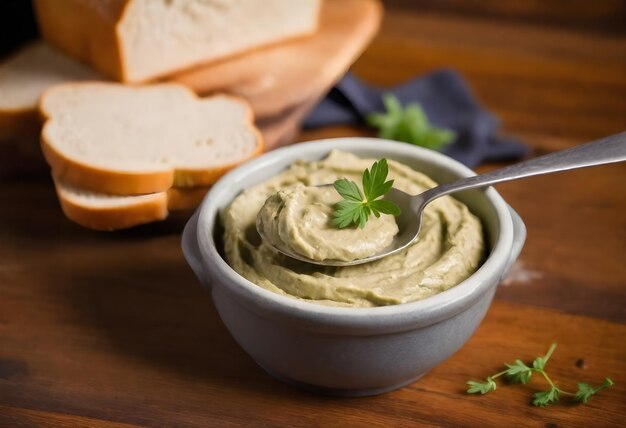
[606,150]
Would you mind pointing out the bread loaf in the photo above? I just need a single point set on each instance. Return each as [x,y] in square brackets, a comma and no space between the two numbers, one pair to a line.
[139,40]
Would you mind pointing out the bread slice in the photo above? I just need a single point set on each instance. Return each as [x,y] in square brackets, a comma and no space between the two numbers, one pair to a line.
[100,211]
[123,140]
[139,40]
[23,78]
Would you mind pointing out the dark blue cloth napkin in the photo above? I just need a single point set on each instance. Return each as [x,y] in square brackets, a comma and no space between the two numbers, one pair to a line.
[448,103]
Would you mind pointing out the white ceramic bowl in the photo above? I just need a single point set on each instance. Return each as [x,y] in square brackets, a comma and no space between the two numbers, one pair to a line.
[350,351]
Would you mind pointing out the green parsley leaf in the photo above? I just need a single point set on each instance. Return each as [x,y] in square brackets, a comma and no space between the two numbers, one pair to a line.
[539,363]
[586,391]
[543,398]
[384,207]
[481,387]
[357,206]
[348,189]
[408,124]
[518,372]
[345,212]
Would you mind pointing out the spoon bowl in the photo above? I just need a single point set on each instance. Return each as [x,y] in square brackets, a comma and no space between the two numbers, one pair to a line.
[408,230]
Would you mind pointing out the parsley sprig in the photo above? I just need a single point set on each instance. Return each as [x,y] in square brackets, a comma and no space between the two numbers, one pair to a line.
[409,124]
[357,206]
[519,372]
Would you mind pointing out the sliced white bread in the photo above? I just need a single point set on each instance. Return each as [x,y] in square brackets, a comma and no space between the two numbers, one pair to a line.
[101,211]
[139,40]
[23,78]
[123,140]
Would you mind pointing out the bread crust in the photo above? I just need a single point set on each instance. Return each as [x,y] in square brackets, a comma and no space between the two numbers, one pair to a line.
[102,180]
[86,30]
[96,179]
[112,218]
[139,210]
[185,199]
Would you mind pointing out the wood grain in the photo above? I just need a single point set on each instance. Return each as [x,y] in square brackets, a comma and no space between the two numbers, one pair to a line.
[113,329]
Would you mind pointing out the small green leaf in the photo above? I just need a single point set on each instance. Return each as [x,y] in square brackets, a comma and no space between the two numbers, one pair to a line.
[374,184]
[586,391]
[393,106]
[377,120]
[356,215]
[362,219]
[518,372]
[385,207]
[380,190]
[544,398]
[415,116]
[434,138]
[348,189]
[344,213]
[408,124]
[539,363]
[481,387]
[367,182]
[356,208]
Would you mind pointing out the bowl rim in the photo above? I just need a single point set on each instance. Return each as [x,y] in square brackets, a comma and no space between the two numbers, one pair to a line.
[426,311]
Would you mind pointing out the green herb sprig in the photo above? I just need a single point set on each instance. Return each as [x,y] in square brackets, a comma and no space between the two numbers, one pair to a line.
[519,372]
[356,207]
[408,124]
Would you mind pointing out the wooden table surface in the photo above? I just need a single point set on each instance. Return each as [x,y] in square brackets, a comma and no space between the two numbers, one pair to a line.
[114,330]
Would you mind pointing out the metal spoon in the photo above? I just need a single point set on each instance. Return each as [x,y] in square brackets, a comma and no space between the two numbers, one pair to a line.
[606,150]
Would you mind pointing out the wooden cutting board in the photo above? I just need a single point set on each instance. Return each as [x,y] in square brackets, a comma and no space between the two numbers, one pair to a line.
[282,82]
